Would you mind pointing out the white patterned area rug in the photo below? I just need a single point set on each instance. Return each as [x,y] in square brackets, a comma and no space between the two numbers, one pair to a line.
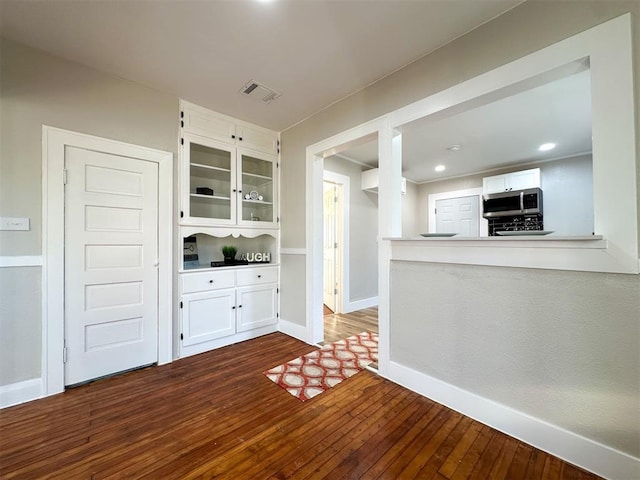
[313,373]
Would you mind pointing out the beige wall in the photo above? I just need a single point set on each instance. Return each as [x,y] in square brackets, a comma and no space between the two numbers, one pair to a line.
[39,89]
[523,30]
[559,346]
[574,351]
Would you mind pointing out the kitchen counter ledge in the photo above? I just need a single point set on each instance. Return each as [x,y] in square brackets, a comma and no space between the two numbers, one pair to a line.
[596,241]
[589,253]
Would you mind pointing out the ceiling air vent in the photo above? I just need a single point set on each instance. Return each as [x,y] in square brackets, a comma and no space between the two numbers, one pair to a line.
[259,92]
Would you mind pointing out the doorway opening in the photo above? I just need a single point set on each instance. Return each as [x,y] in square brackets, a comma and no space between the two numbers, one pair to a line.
[350,248]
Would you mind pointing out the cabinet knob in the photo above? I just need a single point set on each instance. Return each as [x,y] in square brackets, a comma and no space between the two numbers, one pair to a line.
[210,281]
[240,138]
[239,306]
[234,190]
[233,308]
[233,136]
[259,276]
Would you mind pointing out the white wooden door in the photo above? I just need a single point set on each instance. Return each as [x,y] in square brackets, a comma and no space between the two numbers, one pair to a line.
[207,316]
[111,258]
[256,307]
[330,246]
[458,215]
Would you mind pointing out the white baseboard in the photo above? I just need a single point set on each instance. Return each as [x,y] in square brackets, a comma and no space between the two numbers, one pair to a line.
[576,449]
[293,330]
[20,392]
[360,304]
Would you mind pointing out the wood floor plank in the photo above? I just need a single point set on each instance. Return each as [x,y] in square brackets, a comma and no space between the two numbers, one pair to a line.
[474,454]
[445,449]
[414,467]
[520,462]
[463,444]
[403,464]
[362,459]
[216,414]
[488,456]
[324,459]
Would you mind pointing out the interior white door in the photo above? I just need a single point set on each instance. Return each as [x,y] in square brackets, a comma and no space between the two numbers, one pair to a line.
[111,252]
[330,245]
[458,215]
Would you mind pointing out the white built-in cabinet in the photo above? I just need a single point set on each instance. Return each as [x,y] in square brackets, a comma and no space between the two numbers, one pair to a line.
[506,182]
[204,122]
[228,196]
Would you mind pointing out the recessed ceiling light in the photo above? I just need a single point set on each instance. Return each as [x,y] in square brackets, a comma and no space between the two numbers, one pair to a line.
[454,148]
[546,147]
[440,168]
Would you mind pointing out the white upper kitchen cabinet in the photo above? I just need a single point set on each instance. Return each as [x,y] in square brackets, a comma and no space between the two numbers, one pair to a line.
[506,182]
[215,126]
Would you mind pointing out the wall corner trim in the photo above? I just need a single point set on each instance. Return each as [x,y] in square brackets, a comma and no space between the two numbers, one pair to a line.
[21,261]
[294,330]
[293,251]
[354,305]
[20,392]
[576,449]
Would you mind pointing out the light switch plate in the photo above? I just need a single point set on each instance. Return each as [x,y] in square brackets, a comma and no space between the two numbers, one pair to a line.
[14,223]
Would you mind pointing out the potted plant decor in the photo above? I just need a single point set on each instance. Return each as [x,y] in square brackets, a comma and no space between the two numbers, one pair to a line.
[229,253]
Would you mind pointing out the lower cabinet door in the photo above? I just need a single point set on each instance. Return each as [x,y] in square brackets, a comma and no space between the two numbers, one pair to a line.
[256,307]
[208,315]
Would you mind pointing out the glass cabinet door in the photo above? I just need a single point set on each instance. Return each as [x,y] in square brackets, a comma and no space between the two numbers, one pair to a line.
[211,181]
[257,189]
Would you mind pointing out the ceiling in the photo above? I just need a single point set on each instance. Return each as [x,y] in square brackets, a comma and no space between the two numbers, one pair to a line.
[496,134]
[312,52]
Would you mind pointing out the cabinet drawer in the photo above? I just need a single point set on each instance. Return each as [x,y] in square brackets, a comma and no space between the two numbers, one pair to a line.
[199,282]
[256,276]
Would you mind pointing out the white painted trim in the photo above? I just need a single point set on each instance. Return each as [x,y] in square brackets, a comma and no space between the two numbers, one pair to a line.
[293,329]
[574,448]
[377,128]
[539,252]
[293,251]
[20,392]
[54,141]
[21,261]
[469,192]
[356,305]
[226,341]
[608,47]
[344,294]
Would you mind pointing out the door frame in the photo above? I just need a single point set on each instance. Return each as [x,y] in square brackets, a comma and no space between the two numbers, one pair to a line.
[342,255]
[389,221]
[54,141]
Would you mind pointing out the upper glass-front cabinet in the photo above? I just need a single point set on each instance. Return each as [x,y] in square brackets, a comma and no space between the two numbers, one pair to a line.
[226,185]
[257,188]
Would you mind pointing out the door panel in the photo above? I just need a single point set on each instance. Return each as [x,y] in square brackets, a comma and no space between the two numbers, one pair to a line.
[111,249]
[329,250]
[208,315]
[256,307]
[458,215]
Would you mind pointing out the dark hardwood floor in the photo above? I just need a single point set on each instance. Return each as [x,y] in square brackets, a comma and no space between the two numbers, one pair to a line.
[215,415]
[343,325]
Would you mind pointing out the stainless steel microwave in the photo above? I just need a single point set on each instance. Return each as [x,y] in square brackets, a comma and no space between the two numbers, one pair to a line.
[516,202]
